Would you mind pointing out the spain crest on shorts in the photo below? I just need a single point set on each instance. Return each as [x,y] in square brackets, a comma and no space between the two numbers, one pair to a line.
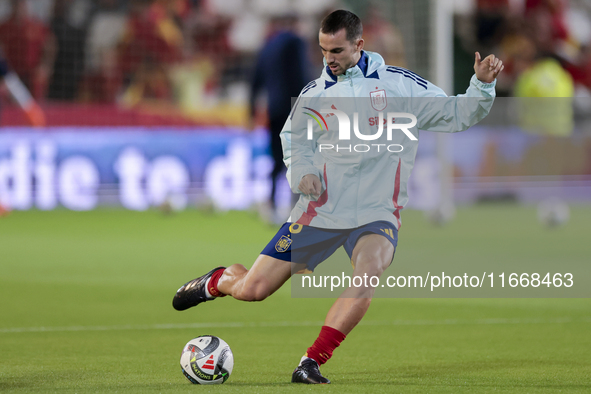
[378,99]
[283,244]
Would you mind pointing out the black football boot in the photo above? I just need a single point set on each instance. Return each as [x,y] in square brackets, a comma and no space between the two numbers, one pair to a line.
[307,372]
[193,293]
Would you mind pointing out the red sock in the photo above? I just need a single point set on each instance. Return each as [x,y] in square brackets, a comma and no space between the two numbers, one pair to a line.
[213,283]
[328,340]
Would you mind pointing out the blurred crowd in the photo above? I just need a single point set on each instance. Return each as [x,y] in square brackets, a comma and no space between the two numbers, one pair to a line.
[545,44]
[195,52]
[133,50]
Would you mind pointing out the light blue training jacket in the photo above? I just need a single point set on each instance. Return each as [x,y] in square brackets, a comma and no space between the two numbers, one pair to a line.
[364,178]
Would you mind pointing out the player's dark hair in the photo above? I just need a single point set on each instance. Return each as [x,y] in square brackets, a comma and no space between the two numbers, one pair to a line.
[342,19]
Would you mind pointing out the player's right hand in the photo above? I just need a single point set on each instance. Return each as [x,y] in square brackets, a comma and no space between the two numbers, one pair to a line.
[488,69]
[310,185]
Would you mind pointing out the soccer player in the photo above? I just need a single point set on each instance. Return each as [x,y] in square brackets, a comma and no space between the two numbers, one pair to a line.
[343,202]
[282,70]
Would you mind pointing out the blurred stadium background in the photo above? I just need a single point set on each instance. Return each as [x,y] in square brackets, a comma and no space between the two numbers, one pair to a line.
[118,106]
[137,103]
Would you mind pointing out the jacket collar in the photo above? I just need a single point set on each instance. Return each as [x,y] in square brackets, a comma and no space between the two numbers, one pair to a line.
[358,70]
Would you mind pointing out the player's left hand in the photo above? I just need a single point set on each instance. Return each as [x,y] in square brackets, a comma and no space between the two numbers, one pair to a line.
[488,69]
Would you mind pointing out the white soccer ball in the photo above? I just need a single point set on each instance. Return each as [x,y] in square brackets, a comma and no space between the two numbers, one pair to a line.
[207,360]
[553,212]
[441,215]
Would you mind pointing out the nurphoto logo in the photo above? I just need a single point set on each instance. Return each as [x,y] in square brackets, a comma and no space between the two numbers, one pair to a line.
[345,129]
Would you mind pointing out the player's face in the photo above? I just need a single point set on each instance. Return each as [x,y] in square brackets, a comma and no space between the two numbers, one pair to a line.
[340,54]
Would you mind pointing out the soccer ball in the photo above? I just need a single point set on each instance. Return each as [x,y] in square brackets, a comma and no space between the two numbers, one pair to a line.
[553,212]
[207,360]
[441,215]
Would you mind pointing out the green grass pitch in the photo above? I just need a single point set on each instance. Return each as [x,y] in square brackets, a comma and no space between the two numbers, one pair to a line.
[86,307]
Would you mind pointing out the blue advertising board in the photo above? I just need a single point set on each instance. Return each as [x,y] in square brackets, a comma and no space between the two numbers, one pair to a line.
[85,167]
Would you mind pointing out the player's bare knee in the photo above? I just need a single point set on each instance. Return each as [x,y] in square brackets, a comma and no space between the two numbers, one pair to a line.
[370,264]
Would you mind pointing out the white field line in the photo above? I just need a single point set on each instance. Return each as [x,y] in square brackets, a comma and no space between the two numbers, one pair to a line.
[452,322]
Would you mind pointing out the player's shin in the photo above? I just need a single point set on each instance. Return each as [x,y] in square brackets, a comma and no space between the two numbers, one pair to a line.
[233,280]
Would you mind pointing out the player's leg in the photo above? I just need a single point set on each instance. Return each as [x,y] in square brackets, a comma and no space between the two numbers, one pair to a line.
[371,255]
[264,278]
[270,271]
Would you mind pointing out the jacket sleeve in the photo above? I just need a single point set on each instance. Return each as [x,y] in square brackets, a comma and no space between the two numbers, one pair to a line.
[435,111]
[298,150]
